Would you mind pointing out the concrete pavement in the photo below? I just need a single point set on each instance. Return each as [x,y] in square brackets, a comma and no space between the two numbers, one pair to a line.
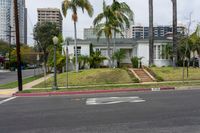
[10,92]
[162,112]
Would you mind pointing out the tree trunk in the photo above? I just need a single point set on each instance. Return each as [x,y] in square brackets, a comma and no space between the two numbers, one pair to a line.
[183,76]
[114,49]
[75,43]
[174,3]
[151,33]
[188,64]
[108,47]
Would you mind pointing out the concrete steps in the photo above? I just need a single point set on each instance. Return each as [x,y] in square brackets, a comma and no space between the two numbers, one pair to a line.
[142,75]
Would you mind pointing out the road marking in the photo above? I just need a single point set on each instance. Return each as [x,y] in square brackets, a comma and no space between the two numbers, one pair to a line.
[113,100]
[6,100]
[155,89]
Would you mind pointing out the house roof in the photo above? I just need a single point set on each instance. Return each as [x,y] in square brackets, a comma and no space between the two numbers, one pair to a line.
[118,41]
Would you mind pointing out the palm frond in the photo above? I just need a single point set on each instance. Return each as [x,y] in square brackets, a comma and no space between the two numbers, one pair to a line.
[66,4]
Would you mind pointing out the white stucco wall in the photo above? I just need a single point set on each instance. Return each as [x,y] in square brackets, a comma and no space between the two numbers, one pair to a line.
[85,49]
[161,63]
[143,51]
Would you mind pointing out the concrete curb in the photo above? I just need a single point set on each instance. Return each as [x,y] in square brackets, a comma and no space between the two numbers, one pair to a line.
[91,92]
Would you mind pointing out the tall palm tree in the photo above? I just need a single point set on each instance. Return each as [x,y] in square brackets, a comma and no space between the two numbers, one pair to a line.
[174,5]
[104,24]
[124,15]
[151,33]
[73,5]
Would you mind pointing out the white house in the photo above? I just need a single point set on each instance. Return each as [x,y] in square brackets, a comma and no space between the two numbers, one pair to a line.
[139,48]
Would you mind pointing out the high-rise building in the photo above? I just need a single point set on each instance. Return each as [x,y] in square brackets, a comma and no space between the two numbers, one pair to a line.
[50,15]
[89,33]
[142,32]
[7,21]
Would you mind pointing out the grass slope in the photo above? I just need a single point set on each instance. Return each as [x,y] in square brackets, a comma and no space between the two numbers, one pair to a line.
[91,77]
[175,74]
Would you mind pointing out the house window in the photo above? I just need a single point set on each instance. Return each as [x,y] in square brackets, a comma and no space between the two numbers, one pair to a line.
[97,50]
[78,51]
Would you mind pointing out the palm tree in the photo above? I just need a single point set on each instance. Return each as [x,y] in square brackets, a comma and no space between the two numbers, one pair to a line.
[151,33]
[73,5]
[104,24]
[174,4]
[124,15]
[119,56]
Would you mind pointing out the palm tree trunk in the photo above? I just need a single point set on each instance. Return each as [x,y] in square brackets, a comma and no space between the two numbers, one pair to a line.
[174,3]
[75,43]
[108,46]
[151,33]
[114,49]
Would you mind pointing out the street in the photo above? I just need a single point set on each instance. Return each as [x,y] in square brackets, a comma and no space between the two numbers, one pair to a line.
[12,76]
[160,112]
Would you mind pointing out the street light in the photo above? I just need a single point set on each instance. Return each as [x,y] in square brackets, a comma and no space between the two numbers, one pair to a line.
[55,41]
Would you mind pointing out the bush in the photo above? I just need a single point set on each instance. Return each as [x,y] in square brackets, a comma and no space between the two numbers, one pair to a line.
[135,62]
[153,65]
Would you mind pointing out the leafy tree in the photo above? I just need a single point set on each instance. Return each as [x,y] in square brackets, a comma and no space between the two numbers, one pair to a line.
[119,56]
[43,34]
[73,5]
[195,39]
[60,60]
[28,55]
[4,48]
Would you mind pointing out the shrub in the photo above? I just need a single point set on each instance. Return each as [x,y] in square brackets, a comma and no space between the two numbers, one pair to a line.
[135,62]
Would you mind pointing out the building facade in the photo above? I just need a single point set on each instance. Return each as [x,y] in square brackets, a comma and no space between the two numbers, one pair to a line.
[133,48]
[50,15]
[7,21]
[142,32]
[89,33]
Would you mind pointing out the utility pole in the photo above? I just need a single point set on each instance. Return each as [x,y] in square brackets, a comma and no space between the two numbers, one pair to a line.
[151,34]
[19,71]
[174,8]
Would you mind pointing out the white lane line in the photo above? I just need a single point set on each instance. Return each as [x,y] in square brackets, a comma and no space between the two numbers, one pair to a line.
[6,100]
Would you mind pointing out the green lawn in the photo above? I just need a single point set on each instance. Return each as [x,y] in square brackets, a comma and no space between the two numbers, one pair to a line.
[91,77]
[15,84]
[113,86]
[175,74]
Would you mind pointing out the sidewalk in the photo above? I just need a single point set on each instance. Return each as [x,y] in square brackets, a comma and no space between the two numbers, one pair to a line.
[4,71]
[10,92]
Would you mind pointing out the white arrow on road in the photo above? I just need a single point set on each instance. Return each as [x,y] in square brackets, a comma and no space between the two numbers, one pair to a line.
[113,100]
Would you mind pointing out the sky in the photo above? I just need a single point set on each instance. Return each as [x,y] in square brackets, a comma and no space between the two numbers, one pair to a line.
[162,14]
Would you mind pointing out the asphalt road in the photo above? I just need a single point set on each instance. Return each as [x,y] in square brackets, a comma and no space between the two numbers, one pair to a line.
[7,77]
[162,112]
